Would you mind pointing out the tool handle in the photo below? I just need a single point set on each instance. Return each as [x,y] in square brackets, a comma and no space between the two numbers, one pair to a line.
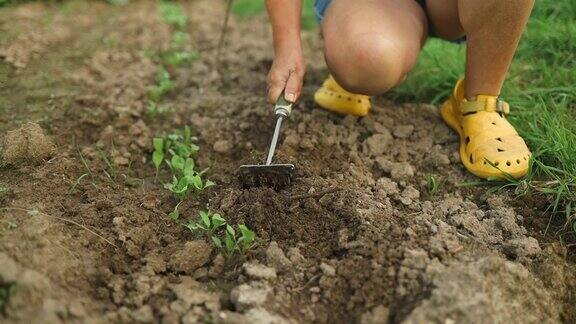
[283,107]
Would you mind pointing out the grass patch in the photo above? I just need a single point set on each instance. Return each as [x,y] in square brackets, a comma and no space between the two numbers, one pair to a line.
[541,88]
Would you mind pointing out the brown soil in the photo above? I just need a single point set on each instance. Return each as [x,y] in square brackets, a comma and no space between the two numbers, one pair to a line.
[356,238]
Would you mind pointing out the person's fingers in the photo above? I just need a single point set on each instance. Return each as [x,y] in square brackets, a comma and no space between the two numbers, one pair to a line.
[293,87]
[276,86]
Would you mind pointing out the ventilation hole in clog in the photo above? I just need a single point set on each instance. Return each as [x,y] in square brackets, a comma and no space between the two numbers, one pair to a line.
[524,158]
[500,150]
[359,101]
[484,163]
[517,161]
[349,99]
[339,96]
[493,123]
[508,163]
[467,140]
[471,159]
[496,163]
[499,139]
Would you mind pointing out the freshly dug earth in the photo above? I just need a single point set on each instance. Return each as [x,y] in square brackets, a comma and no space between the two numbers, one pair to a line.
[85,234]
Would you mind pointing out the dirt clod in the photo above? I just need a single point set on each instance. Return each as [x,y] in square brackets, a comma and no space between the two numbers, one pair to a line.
[250,295]
[276,257]
[191,256]
[259,271]
[27,145]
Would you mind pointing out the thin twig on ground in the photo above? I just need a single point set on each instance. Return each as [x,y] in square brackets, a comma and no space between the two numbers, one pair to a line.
[62,219]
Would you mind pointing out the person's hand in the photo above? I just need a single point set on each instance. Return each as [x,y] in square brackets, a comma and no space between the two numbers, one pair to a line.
[286,74]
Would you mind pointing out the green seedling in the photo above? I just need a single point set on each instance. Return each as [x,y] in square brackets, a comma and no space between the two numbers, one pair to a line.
[181,149]
[74,186]
[153,110]
[181,187]
[8,227]
[163,86]
[173,14]
[175,214]
[207,225]
[179,38]
[179,58]
[158,154]
[174,144]
[230,240]
[234,241]
[433,185]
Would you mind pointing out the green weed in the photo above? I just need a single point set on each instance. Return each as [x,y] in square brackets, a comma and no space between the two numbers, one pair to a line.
[154,110]
[175,213]
[7,227]
[179,38]
[163,85]
[76,183]
[178,57]
[207,225]
[173,14]
[433,185]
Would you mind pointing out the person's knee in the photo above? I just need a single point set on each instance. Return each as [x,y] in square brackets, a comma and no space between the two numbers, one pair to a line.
[370,64]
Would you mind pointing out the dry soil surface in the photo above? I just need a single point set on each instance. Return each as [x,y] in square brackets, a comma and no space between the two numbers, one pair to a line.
[85,235]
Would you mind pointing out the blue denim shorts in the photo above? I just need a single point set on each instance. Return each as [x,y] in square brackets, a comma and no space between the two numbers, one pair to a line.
[320,7]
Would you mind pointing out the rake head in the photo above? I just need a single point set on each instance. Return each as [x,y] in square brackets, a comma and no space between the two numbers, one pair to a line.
[276,176]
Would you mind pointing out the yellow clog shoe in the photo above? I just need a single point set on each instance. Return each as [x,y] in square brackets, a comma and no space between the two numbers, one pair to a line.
[333,97]
[490,147]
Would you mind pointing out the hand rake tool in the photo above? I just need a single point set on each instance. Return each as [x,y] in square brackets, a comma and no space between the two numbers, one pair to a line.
[276,176]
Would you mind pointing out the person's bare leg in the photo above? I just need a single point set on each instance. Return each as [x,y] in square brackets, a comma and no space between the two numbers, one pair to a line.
[370,45]
[493,29]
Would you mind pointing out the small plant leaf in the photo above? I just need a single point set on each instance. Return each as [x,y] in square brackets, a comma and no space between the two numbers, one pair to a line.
[217,241]
[177,163]
[175,214]
[205,216]
[157,158]
[158,144]
[217,221]
[230,230]
[230,242]
[189,167]
[209,183]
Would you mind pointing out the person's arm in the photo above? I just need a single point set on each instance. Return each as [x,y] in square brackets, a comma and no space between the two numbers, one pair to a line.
[287,72]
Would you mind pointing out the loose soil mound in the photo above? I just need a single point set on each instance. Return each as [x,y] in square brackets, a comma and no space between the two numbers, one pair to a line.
[358,237]
[27,144]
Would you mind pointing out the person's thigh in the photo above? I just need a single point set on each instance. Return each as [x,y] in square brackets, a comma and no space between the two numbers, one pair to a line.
[370,45]
[444,18]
